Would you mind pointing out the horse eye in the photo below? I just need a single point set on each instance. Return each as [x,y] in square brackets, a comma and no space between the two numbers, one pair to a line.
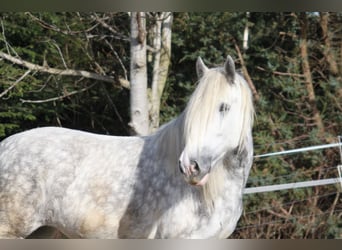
[224,107]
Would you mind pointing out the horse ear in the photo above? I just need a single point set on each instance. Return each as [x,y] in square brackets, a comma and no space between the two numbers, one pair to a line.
[200,67]
[229,68]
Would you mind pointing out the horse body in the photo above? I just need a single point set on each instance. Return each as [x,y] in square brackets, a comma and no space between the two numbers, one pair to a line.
[61,190]
[97,186]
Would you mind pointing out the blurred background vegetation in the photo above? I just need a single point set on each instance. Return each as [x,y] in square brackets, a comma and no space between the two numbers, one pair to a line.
[293,60]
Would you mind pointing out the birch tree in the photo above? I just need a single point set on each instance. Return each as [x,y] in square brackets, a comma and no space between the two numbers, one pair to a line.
[145,108]
[138,75]
[162,47]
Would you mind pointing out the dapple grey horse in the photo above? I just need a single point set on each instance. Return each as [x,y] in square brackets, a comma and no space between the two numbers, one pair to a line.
[184,181]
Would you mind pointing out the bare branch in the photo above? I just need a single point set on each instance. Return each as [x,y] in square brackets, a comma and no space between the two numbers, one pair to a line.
[60,52]
[15,83]
[277,214]
[111,103]
[118,58]
[280,73]
[245,72]
[103,23]
[64,72]
[3,35]
[8,46]
[108,27]
[58,98]
[57,29]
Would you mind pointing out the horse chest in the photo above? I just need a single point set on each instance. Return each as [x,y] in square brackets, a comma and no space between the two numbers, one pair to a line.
[191,221]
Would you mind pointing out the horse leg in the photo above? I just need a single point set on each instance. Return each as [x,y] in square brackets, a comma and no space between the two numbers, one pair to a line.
[14,226]
[6,231]
[20,214]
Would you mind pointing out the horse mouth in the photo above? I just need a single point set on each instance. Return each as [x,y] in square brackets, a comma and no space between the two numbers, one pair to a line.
[199,182]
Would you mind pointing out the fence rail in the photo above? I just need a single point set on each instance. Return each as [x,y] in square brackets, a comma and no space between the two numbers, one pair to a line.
[294,185]
[298,150]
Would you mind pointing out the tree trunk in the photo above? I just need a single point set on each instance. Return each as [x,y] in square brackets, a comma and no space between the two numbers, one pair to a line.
[162,48]
[246,33]
[138,75]
[328,53]
[307,73]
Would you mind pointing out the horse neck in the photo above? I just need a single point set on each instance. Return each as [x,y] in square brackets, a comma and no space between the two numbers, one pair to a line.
[168,140]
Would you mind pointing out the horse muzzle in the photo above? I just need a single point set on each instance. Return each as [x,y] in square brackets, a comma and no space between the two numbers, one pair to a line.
[194,172]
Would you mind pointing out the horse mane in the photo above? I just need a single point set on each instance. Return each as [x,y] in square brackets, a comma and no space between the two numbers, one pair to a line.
[247,110]
[205,96]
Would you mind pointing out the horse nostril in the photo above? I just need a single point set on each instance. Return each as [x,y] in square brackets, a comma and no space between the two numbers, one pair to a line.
[180,167]
[194,167]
